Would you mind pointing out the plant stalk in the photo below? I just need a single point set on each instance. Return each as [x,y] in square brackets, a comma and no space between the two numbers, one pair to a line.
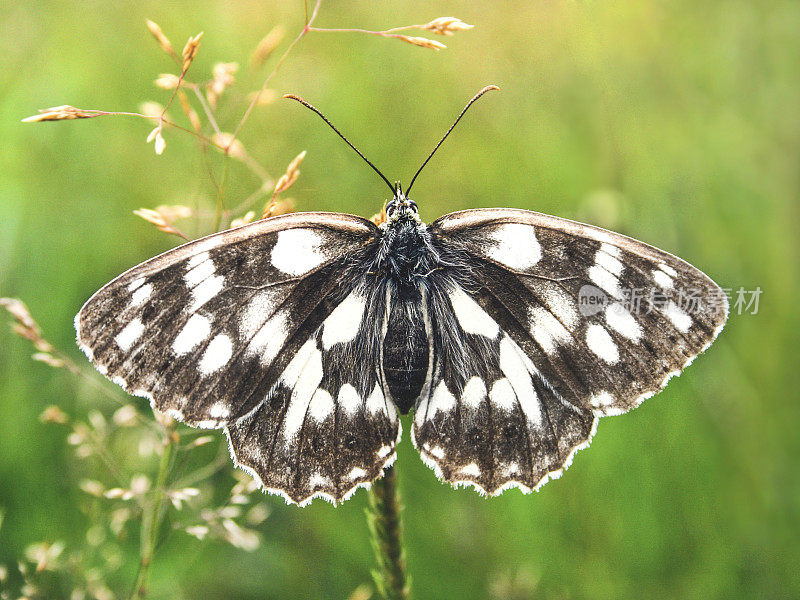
[386,531]
[153,515]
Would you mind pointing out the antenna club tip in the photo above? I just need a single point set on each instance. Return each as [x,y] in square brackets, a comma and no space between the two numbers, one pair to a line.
[491,87]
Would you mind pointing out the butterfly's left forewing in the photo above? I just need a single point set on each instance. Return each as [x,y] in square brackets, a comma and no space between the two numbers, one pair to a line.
[544,364]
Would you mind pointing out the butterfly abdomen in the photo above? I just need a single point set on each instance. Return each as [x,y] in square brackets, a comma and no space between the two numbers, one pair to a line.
[405,353]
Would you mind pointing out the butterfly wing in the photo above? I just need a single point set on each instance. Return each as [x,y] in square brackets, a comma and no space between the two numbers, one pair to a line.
[565,362]
[220,331]
[327,428]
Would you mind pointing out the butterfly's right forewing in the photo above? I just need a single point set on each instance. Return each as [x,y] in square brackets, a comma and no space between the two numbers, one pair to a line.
[205,330]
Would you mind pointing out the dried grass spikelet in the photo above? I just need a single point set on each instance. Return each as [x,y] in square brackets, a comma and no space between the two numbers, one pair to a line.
[62,113]
[167,81]
[446,26]
[222,78]
[278,206]
[266,46]
[151,109]
[49,360]
[160,143]
[244,220]
[190,51]
[162,218]
[263,97]
[173,212]
[53,414]
[25,325]
[190,112]
[230,144]
[162,39]
[290,176]
[421,41]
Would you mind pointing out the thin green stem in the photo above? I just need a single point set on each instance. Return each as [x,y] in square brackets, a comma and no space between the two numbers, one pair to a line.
[386,531]
[221,194]
[153,518]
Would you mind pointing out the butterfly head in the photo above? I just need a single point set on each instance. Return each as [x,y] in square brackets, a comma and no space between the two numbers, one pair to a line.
[401,208]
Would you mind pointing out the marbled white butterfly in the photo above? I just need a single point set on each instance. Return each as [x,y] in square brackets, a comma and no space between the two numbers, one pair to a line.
[304,336]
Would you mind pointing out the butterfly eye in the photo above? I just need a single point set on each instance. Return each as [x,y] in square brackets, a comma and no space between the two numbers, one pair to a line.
[390,208]
[413,206]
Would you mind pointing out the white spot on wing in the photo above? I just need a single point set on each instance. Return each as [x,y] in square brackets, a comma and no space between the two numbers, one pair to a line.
[270,338]
[611,250]
[516,246]
[437,451]
[605,280]
[348,399]
[321,406]
[257,311]
[442,400]
[599,341]
[604,403]
[343,323]
[471,470]
[217,354]
[197,259]
[677,317]
[356,473]
[205,291]
[608,262]
[515,370]
[136,283]
[601,399]
[623,322]
[663,280]
[141,294]
[297,251]
[318,480]
[474,392]
[195,331]
[561,305]
[129,334]
[302,375]
[219,411]
[471,317]
[199,268]
[502,394]
[668,270]
[546,329]
[375,401]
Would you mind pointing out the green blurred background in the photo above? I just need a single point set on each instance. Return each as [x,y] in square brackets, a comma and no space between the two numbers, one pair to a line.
[677,123]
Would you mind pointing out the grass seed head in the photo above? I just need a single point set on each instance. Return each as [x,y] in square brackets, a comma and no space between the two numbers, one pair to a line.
[266,46]
[421,41]
[65,112]
[159,36]
[446,26]
[190,51]
[222,78]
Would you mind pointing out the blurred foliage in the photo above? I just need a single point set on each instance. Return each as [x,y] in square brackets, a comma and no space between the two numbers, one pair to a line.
[677,123]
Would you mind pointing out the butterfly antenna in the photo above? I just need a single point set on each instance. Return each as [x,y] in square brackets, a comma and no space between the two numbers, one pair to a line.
[339,133]
[488,88]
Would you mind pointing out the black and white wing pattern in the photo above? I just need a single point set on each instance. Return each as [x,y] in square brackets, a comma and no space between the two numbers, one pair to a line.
[534,365]
[255,329]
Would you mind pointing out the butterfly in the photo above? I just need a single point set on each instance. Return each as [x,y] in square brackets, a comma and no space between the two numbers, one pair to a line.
[305,336]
